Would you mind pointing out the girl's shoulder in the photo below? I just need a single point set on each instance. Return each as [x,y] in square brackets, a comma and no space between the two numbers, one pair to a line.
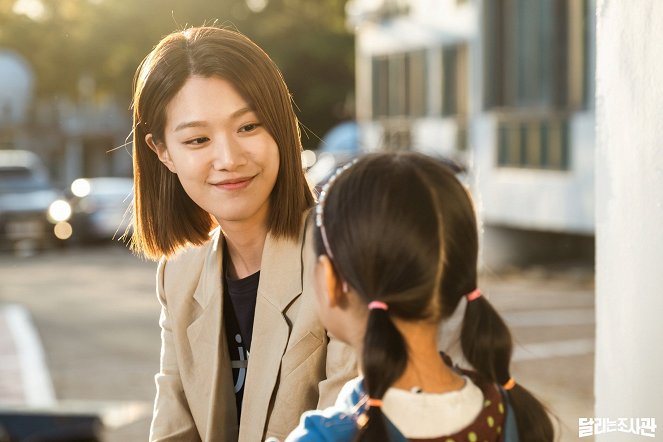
[338,422]
[342,421]
[496,421]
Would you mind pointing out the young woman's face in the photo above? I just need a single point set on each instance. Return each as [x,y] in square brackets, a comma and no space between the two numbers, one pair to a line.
[224,157]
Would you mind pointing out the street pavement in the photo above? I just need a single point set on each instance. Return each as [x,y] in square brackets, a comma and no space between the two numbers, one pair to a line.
[96,314]
[551,316]
[94,317]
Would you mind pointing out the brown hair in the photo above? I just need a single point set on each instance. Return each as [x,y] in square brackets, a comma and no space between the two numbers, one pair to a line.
[165,219]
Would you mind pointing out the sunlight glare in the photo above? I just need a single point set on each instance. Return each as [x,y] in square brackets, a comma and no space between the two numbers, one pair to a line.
[256,5]
[308,158]
[33,9]
[63,230]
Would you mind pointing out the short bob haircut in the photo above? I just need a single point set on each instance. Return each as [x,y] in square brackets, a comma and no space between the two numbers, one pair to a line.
[165,219]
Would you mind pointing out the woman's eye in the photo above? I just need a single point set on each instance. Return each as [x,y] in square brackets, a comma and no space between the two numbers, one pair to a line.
[197,141]
[249,127]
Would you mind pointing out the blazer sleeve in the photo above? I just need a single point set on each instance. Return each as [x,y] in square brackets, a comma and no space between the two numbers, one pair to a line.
[341,367]
[171,419]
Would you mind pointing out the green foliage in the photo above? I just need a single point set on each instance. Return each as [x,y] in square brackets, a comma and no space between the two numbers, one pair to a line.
[106,39]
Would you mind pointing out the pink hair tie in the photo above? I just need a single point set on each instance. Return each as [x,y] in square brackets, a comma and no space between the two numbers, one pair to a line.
[378,305]
[473,295]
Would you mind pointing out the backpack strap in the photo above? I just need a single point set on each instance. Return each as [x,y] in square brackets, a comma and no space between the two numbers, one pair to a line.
[510,426]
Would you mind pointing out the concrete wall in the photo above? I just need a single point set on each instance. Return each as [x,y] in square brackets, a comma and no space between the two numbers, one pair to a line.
[629,211]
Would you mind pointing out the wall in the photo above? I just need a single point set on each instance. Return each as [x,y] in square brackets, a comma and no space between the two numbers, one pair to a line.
[629,211]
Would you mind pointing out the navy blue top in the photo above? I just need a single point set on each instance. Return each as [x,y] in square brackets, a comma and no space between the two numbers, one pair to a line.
[239,307]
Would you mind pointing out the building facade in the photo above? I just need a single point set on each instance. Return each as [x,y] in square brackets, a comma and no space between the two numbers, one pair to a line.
[505,87]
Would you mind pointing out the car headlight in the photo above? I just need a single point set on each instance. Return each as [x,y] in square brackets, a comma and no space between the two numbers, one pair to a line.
[81,187]
[58,211]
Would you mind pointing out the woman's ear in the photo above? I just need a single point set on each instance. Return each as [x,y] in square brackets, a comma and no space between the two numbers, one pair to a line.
[160,149]
[333,284]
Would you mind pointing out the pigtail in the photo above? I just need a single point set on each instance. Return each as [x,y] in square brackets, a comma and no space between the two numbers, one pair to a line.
[487,345]
[384,359]
[532,418]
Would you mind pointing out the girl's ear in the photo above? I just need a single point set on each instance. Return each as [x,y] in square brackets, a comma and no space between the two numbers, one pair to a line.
[333,283]
[161,151]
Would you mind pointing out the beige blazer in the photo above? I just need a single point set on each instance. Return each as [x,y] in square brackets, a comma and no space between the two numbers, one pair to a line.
[293,366]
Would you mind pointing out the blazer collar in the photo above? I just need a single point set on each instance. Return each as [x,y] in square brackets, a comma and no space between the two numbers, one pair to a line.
[210,282]
[280,270]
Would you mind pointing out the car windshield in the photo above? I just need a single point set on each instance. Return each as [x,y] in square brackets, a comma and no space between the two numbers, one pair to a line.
[21,179]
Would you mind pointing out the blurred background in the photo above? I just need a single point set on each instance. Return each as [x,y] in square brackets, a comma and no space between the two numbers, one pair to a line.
[504,89]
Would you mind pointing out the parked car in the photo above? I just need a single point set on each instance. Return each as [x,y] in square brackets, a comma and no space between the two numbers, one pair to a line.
[32,214]
[100,208]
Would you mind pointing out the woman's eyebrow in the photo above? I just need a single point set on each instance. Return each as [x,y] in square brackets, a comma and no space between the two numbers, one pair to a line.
[240,112]
[187,124]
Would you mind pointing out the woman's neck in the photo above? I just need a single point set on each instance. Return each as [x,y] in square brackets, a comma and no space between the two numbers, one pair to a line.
[245,246]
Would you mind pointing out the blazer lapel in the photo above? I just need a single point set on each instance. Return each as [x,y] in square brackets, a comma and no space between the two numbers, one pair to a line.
[280,283]
[213,404]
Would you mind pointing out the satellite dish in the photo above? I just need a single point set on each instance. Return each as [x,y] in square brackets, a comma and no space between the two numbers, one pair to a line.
[16,88]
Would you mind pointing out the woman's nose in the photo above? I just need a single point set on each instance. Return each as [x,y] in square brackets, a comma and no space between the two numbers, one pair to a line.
[228,154]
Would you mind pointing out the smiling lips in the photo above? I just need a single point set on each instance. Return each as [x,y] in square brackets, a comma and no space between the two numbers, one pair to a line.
[234,184]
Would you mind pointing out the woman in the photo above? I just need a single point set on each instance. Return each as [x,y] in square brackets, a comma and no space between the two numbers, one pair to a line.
[216,144]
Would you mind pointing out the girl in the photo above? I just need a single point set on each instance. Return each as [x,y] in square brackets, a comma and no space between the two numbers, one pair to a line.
[217,148]
[397,245]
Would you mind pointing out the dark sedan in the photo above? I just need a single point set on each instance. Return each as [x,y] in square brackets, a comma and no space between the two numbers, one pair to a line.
[31,214]
[101,208]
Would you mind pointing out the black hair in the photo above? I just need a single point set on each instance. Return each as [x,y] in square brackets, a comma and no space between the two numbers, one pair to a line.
[387,218]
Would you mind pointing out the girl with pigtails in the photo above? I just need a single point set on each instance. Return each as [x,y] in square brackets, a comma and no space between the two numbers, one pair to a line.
[397,247]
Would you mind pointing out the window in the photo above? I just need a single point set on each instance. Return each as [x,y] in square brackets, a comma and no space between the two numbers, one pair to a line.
[536,53]
[399,85]
[540,143]
[380,87]
[580,29]
[454,80]
[397,80]
[536,74]
[417,83]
